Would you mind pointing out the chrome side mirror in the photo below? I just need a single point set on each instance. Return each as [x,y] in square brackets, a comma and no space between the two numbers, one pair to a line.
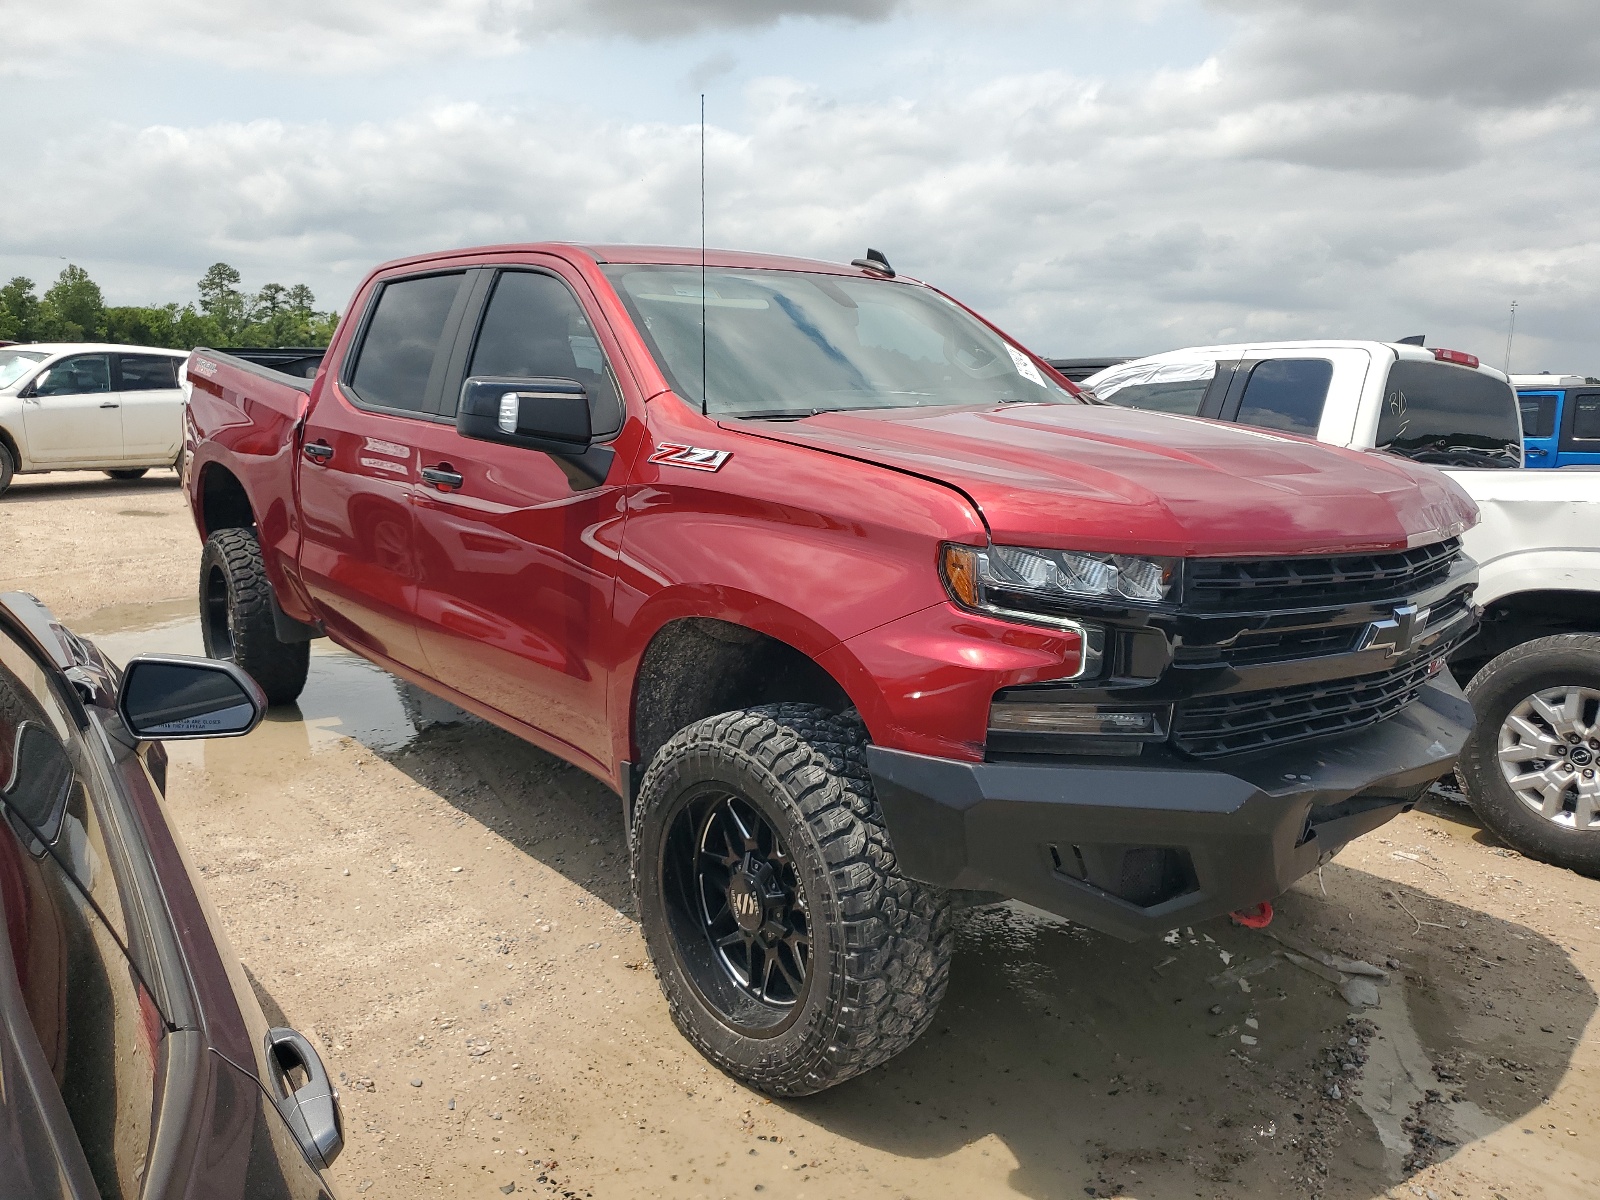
[172,697]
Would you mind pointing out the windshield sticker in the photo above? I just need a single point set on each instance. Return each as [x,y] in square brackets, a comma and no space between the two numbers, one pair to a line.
[695,458]
[1025,366]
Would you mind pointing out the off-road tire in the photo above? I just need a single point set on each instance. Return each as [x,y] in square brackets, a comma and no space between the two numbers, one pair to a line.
[236,616]
[128,474]
[8,468]
[881,943]
[1497,689]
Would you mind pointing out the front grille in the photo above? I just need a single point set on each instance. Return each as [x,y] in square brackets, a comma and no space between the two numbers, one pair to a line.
[1270,584]
[1257,647]
[1212,726]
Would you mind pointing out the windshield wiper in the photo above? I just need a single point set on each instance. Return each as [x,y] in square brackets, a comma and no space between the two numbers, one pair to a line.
[777,414]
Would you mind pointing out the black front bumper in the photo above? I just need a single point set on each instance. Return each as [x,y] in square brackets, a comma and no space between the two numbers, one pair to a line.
[1135,849]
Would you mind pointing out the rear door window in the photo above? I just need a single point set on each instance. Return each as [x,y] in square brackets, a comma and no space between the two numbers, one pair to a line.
[399,363]
[147,372]
[99,1029]
[534,328]
[1450,416]
[1538,413]
[1286,394]
[1585,418]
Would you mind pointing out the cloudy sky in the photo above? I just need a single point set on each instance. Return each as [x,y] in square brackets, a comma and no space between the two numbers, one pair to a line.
[1101,176]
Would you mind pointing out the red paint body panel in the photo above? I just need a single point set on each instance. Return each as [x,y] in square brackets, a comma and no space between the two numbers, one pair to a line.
[533,604]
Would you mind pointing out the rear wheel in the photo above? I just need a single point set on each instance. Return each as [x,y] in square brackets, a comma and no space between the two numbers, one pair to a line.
[1531,769]
[128,472]
[792,952]
[236,616]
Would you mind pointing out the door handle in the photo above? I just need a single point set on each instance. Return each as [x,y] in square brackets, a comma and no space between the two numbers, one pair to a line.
[110,404]
[1534,453]
[442,476]
[317,452]
[311,1108]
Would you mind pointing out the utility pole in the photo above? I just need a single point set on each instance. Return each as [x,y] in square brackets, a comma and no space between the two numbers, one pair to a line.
[1511,333]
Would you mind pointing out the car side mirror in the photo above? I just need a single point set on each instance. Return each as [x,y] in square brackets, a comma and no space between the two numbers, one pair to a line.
[540,414]
[173,697]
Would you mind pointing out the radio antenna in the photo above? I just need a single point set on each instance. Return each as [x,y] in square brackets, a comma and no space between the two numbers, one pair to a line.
[704,397]
[1510,334]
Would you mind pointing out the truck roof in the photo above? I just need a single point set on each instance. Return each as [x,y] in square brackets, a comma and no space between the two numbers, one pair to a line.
[1242,349]
[674,256]
[1547,380]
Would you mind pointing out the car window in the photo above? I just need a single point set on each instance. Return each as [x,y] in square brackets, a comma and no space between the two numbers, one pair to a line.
[14,364]
[1451,416]
[1170,387]
[1586,415]
[1538,414]
[534,328]
[74,376]
[98,1028]
[402,339]
[148,372]
[1286,394]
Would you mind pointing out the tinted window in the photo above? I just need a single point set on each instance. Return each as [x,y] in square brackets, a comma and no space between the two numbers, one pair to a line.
[534,328]
[1438,413]
[74,376]
[100,1031]
[402,339]
[148,372]
[1585,415]
[1538,415]
[1286,394]
[1170,387]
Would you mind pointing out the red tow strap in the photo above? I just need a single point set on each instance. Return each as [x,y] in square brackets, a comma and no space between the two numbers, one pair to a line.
[1256,917]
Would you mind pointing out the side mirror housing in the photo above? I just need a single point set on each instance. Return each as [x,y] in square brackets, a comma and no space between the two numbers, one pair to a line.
[172,697]
[540,414]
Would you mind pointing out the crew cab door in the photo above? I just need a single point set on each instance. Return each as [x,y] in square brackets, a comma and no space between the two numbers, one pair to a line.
[359,459]
[71,416]
[515,567]
[1580,429]
[1541,417]
[146,385]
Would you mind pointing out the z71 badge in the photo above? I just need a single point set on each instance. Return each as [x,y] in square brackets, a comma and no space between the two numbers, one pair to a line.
[695,458]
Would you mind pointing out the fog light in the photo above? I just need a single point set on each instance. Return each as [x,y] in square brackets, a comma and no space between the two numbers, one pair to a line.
[1095,720]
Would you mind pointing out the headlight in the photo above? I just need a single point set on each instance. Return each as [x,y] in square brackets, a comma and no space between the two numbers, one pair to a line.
[1009,577]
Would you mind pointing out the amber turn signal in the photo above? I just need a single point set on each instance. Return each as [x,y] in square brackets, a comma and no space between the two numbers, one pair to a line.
[959,565]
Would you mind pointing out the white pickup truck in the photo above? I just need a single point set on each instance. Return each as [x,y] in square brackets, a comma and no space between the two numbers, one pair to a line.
[1532,768]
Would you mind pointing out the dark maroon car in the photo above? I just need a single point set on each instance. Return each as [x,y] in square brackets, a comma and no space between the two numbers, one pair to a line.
[134,1057]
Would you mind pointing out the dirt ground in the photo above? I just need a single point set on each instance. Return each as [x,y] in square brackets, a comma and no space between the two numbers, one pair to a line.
[445,911]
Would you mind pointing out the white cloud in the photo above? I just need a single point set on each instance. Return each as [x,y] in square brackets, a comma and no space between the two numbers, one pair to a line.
[1259,195]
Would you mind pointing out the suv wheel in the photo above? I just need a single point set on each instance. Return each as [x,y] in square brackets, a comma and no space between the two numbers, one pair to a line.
[236,616]
[1531,769]
[792,953]
[8,468]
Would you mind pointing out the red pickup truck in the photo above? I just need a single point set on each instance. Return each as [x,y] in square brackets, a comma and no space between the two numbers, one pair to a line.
[859,606]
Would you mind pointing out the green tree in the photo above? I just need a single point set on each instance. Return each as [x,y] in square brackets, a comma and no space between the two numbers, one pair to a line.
[137,325]
[222,301]
[73,310]
[19,310]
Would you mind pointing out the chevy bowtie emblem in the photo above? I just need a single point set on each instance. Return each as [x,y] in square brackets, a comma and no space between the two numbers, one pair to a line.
[695,458]
[1397,634]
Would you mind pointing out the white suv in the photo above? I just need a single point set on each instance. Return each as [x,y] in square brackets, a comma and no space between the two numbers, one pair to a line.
[86,406]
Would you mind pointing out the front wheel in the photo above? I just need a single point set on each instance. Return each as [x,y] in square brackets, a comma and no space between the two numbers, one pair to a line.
[8,468]
[128,473]
[236,616]
[792,952]
[1531,769]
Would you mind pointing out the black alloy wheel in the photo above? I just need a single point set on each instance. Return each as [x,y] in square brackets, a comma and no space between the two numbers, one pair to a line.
[792,952]
[739,881]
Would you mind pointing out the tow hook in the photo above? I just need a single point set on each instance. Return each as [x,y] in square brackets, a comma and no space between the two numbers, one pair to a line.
[1257,916]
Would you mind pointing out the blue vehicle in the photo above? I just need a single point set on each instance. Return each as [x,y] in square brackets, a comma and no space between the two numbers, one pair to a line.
[1560,420]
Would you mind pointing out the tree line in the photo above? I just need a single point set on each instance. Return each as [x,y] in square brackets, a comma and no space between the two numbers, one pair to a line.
[74,310]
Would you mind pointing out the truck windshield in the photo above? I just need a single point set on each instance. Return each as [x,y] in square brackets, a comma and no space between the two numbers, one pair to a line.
[14,364]
[791,344]
[1449,416]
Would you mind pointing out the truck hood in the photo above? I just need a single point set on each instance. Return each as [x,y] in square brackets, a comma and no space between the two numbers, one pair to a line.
[1092,477]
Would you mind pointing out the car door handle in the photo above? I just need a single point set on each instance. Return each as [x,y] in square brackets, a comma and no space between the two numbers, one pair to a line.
[442,476]
[1534,453]
[110,404]
[303,1093]
[317,452]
